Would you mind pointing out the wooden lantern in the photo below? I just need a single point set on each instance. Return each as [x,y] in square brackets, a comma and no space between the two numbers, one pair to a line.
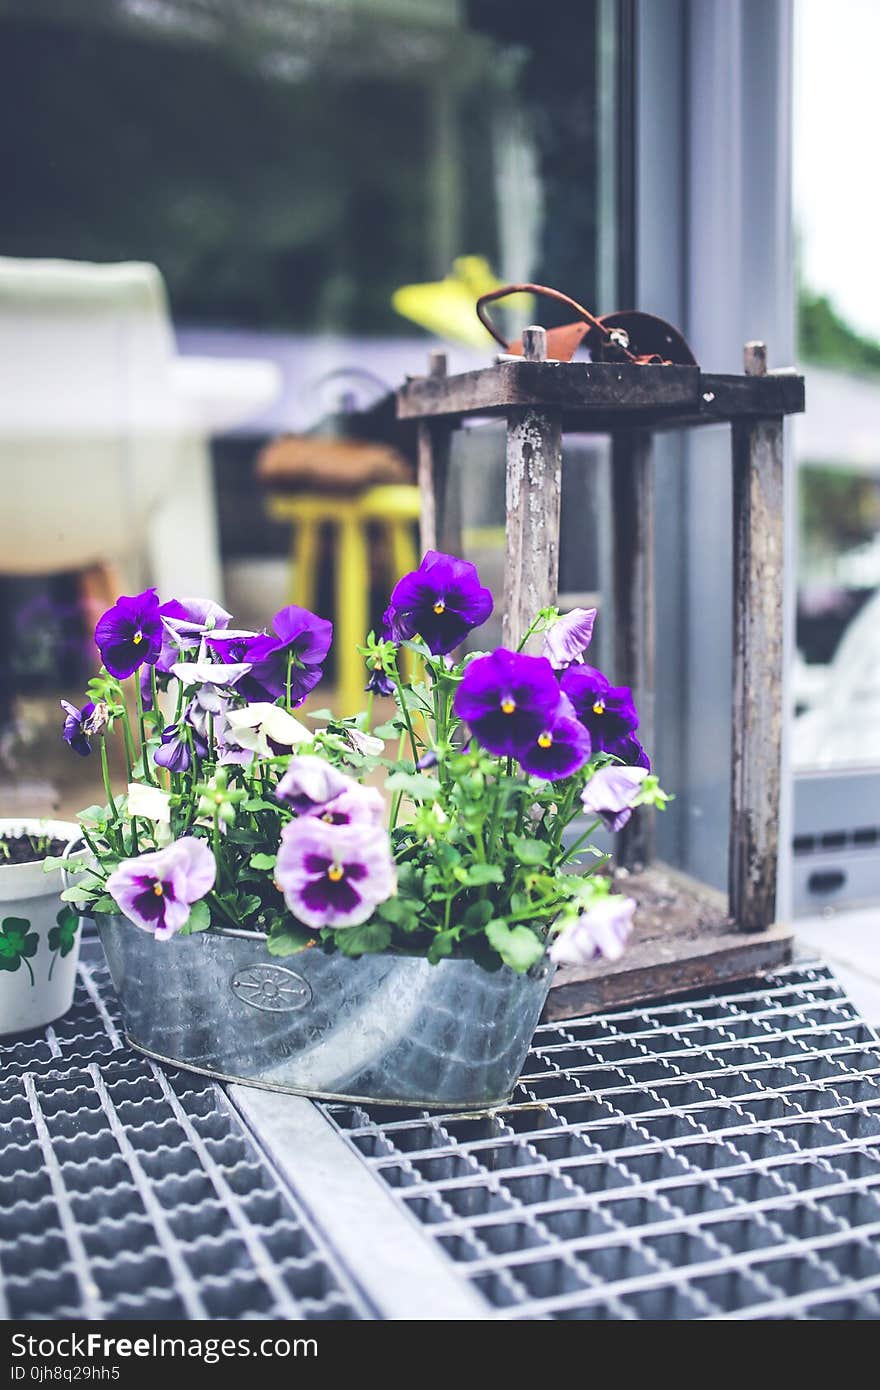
[687,935]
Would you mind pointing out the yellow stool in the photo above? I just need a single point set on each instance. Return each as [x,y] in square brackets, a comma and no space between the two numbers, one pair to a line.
[394,506]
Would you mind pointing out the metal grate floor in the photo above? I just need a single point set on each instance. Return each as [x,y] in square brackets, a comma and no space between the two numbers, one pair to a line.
[132,1191]
[713,1158]
[718,1157]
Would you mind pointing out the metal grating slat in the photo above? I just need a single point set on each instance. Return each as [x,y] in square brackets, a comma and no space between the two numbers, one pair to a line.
[718,1157]
[129,1191]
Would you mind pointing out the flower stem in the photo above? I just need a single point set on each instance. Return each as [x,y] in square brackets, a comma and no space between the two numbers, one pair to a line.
[145,757]
[573,849]
[29,970]
[105,773]
[406,719]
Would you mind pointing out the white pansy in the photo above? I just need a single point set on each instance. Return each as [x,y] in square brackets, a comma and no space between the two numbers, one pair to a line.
[210,672]
[253,727]
[152,803]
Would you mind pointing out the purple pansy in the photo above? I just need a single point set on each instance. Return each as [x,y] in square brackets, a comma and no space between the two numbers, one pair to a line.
[129,634]
[607,710]
[310,782]
[297,634]
[567,640]
[442,601]
[508,699]
[629,751]
[177,745]
[76,727]
[334,875]
[156,891]
[379,683]
[603,930]
[611,792]
[560,748]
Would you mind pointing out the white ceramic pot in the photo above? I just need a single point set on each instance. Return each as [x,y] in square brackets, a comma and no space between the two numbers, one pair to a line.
[32,997]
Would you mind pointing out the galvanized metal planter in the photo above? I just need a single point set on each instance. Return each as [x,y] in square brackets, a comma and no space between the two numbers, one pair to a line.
[386,1028]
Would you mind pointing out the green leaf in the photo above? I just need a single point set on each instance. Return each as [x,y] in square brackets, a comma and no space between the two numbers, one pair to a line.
[401,913]
[263,861]
[389,730]
[94,815]
[518,947]
[289,940]
[72,863]
[247,904]
[478,914]
[530,852]
[63,936]
[442,945]
[258,803]
[475,875]
[199,919]
[103,904]
[373,936]
[414,785]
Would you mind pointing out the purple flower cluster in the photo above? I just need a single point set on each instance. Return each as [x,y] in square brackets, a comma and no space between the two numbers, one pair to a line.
[516,709]
[138,632]
[607,711]
[552,712]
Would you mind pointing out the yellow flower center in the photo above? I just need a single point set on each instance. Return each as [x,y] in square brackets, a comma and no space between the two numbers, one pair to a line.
[377,664]
[219,798]
[138,638]
[508,705]
[545,740]
[158,890]
[335,872]
[440,606]
[599,707]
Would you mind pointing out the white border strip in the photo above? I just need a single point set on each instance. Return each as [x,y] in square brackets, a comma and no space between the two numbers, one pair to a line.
[397,1266]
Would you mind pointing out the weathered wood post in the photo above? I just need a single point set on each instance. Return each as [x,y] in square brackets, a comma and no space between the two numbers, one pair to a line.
[440,527]
[533,489]
[757,662]
[632,507]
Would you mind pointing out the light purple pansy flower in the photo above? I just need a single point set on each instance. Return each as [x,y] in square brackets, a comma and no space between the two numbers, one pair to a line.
[212,680]
[610,793]
[601,931]
[314,787]
[185,622]
[568,638]
[356,805]
[156,891]
[334,875]
[310,782]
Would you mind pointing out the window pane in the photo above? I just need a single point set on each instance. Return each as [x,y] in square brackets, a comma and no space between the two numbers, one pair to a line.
[837,683]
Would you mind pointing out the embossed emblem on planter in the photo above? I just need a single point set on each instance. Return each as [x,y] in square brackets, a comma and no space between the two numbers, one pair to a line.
[271,987]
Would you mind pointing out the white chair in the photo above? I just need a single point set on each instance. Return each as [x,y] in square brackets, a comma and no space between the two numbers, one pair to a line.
[103,429]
